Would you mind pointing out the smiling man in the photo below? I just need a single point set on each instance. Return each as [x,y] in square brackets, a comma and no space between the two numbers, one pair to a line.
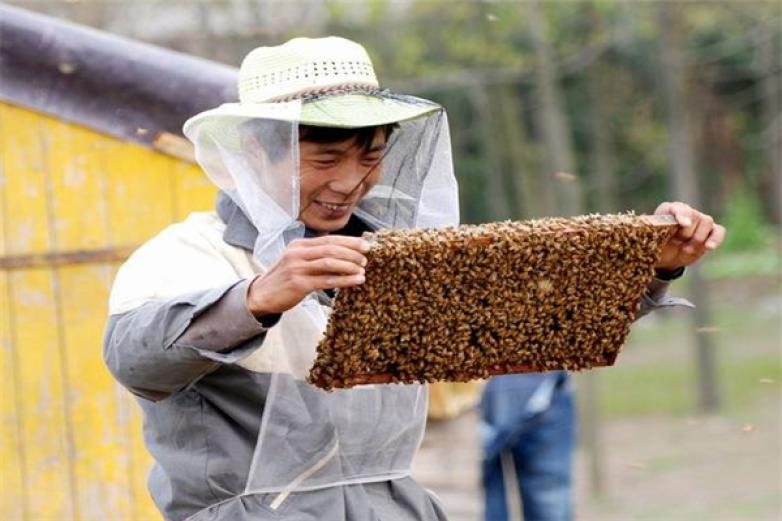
[337,168]
[214,322]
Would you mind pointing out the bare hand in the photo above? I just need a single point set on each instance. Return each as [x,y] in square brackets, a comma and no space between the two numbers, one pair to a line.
[697,234]
[307,265]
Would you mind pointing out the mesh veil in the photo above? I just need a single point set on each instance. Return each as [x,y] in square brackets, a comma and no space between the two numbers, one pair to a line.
[310,438]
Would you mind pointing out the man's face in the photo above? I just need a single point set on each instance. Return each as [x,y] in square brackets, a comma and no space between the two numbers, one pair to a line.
[334,179]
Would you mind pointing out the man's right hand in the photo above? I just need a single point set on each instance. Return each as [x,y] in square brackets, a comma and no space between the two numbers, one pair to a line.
[307,265]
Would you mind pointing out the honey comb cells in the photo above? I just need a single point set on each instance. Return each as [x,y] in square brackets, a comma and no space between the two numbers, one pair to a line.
[467,302]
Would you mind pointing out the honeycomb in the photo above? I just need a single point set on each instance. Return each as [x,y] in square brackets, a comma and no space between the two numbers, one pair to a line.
[463,303]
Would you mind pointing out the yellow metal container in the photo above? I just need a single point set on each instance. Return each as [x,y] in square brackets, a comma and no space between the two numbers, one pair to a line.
[73,203]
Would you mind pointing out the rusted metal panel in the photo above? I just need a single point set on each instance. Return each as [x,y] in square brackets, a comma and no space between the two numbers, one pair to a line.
[124,88]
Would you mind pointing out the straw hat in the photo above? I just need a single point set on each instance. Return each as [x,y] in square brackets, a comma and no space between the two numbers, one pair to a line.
[332,76]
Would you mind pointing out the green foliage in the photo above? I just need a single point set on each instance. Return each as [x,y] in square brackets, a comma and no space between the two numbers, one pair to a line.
[663,382]
[662,388]
[747,228]
[444,49]
[750,263]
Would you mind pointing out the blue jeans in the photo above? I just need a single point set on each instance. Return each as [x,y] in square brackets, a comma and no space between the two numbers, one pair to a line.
[528,441]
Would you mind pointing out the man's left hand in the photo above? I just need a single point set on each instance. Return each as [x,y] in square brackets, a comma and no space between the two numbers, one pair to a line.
[697,234]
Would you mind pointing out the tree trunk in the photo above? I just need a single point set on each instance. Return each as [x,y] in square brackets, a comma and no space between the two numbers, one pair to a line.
[560,169]
[602,161]
[528,188]
[719,149]
[685,185]
[491,141]
[771,64]
[550,117]
[603,168]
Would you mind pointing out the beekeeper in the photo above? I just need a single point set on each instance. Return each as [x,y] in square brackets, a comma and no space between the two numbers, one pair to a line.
[214,322]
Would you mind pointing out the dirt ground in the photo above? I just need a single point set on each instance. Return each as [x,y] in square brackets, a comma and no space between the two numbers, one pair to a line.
[658,469]
[690,469]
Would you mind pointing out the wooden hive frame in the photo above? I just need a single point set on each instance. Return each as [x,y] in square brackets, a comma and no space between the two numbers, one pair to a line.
[472,301]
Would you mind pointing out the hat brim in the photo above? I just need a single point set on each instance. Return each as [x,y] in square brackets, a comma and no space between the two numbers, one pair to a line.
[343,111]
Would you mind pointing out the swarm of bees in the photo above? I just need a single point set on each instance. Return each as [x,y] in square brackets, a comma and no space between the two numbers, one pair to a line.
[467,302]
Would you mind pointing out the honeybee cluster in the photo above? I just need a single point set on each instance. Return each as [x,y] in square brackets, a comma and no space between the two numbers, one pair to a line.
[462,303]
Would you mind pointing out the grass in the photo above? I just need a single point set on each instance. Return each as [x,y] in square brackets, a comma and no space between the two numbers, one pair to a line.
[656,372]
[663,389]
[763,262]
[762,259]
